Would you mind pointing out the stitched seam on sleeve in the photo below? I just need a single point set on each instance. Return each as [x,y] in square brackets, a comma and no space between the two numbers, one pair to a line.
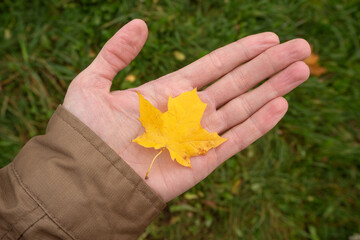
[11,226]
[33,224]
[24,215]
[133,183]
[39,202]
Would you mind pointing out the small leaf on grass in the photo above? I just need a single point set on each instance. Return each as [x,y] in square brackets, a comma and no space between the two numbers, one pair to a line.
[182,208]
[236,186]
[190,196]
[313,63]
[91,53]
[7,34]
[175,219]
[130,78]
[179,56]
[178,129]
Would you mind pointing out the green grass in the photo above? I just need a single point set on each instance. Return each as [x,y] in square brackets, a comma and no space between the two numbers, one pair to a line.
[300,181]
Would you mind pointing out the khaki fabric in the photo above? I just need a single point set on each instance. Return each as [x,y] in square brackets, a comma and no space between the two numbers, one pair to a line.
[69,184]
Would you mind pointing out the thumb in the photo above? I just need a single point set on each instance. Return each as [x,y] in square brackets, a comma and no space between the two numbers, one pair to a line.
[120,50]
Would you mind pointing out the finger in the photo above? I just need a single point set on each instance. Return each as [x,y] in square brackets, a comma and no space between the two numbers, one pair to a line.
[119,50]
[242,107]
[221,61]
[253,128]
[246,76]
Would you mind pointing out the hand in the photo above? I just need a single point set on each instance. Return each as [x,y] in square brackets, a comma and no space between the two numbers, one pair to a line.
[235,113]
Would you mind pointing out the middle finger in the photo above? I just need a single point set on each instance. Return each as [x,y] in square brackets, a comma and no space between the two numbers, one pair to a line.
[246,76]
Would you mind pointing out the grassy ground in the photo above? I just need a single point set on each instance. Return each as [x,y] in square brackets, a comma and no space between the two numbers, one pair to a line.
[301,181]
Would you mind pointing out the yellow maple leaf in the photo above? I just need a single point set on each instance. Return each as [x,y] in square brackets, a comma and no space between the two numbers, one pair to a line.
[177,129]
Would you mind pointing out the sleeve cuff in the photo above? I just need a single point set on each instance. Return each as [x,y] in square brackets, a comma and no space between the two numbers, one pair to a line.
[83,185]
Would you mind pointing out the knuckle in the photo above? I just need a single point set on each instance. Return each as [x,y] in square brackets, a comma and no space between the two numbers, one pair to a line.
[270,62]
[222,120]
[246,106]
[215,60]
[113,56]
[120,52]
[237,139]
[260,131]
[239,80]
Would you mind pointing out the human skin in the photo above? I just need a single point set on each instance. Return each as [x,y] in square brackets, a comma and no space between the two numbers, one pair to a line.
[234,112]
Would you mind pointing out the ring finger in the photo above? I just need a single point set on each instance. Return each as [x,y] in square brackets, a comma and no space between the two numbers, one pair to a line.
[241,108]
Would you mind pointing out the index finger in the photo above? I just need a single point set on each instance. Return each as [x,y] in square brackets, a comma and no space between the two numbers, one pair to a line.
[222,60]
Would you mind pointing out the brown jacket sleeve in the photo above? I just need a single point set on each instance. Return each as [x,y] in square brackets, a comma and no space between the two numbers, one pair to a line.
[69,184]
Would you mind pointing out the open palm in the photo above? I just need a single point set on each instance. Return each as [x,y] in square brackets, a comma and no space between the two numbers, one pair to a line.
[240,115]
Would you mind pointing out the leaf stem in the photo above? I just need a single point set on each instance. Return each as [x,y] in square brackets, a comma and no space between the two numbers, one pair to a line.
[147,173]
